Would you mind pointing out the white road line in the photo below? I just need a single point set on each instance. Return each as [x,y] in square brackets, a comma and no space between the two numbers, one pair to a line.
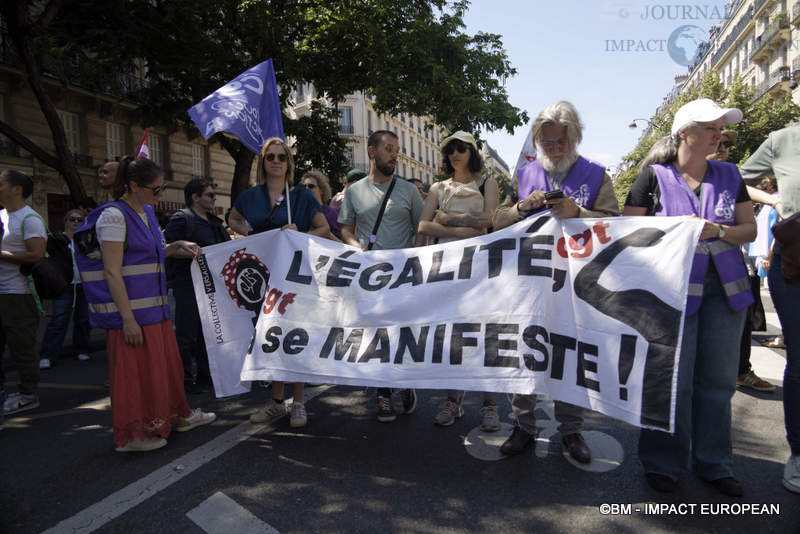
[767,363]
[119,502]
[219,514]
[772,319]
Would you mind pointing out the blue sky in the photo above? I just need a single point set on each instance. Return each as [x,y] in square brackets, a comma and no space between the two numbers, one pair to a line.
[559,51]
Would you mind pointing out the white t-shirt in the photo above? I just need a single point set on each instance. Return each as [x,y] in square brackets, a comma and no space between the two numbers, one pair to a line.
[12,282]
[110,225]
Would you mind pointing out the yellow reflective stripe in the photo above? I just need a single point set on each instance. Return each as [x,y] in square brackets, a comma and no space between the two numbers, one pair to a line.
[127,270]
[136,304]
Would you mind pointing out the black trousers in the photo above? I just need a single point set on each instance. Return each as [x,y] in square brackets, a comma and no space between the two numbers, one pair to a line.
[189,333]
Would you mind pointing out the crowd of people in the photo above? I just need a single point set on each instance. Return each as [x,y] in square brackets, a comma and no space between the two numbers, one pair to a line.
[124,264]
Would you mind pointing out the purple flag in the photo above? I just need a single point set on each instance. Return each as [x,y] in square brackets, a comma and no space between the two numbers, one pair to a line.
[247,107]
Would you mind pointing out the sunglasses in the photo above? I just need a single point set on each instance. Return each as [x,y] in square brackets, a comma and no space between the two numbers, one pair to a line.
[725,144]
[281,157]
[75,219]
[453,147]
[309,186]
[156,189]
[210,195]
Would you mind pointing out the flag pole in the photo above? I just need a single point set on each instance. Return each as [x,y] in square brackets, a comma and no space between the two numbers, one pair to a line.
[288,204]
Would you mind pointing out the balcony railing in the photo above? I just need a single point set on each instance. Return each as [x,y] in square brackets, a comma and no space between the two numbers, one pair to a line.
[772,82]
[730,41]
[771,38]
[796,66]
[758,5]
[796,14]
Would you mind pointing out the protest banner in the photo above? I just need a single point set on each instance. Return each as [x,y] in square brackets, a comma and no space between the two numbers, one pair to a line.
[587,311]
[247,107]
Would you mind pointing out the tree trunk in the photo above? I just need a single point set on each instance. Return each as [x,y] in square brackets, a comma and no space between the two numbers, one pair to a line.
[244,162]
[19,26]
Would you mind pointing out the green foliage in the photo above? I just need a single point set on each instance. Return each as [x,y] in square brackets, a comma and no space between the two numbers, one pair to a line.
[760,118]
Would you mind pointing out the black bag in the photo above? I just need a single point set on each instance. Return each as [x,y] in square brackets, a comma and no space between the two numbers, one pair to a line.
[48,274]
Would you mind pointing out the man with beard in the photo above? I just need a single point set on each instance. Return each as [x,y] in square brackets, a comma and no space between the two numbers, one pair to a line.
[587,192]
[396,228]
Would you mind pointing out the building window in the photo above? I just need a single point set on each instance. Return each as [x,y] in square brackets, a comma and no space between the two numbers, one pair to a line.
[198,161]
[346,120]
[301,92]
[72,130]
[404,170]
[404,142]
[369,123]
[156,144]
[115,141]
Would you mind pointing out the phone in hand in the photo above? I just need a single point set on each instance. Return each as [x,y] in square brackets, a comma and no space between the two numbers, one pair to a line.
[555,193]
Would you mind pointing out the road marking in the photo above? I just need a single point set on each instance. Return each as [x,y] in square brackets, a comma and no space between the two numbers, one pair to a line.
[219,514]
[102,404]
[119,502]
[772,319]
[767,363]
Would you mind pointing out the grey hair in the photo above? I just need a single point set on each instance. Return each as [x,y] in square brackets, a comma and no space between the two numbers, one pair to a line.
[561,113]
[322,181]
[665,149]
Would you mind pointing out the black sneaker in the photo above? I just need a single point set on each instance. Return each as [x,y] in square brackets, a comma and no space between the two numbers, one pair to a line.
[386,413]
[409,401]
[728,486]
[660,482]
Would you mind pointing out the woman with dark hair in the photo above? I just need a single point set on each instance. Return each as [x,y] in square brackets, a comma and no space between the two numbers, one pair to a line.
[317,182]
[120,256]
[460,207]
[264,207]
[676,179]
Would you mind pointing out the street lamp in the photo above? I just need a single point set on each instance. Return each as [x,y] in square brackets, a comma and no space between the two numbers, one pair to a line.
[632,125]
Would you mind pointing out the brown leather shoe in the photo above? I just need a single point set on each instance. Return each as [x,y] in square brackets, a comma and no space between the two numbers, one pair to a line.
[517,442]
[576,447]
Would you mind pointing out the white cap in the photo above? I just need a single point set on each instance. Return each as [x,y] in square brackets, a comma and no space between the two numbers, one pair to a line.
[704,110]
[460,135]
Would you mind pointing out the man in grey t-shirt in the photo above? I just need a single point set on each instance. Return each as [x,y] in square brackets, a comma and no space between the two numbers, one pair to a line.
[362,202]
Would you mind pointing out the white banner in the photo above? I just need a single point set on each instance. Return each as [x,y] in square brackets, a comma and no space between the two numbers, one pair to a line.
[588,311]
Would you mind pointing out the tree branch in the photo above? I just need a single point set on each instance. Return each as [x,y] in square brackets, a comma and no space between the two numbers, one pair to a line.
[50,11]
[38,152]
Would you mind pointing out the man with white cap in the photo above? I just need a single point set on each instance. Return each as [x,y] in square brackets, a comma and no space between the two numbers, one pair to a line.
[780,154]
[676,179]
[587,192]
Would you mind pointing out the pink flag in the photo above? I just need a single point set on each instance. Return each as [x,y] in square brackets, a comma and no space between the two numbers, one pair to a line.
[144,150]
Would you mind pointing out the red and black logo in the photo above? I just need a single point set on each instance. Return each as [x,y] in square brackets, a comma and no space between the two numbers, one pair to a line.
[247,279]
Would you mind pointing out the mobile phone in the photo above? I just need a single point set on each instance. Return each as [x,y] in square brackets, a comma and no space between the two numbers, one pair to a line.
[555,193]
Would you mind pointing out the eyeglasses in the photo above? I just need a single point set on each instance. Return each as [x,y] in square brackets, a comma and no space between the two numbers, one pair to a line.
[309,186]
[453,147]
[561,143]
[156,189]
[281,157]
[210,195]
[75,219]
[724,144]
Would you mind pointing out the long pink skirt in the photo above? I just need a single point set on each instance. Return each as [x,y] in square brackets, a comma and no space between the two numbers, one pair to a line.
[147,393]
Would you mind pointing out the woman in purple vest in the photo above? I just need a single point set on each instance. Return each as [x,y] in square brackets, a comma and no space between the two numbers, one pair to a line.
[125,285]
[676,179]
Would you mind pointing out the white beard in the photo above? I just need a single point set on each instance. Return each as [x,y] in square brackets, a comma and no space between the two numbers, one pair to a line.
[559,167]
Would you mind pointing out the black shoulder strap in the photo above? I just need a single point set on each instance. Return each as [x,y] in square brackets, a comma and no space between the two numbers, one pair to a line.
[482,187]
[374,236]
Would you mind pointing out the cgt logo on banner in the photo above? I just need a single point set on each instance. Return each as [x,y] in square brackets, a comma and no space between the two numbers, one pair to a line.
[587,311]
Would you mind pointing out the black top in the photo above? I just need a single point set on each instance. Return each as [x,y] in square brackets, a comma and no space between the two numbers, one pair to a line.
[198,230]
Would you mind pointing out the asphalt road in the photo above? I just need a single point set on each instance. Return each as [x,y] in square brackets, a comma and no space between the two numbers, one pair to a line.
[345,472]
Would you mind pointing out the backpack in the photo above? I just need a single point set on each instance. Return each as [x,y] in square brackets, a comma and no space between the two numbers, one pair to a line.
[49,277]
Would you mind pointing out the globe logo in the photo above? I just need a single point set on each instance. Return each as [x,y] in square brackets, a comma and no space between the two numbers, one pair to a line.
[623,13]
[684,44]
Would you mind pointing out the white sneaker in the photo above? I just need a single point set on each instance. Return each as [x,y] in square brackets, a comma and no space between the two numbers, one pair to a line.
[273,410]
[448,413]
[83,357]
[19,402]
[298,418]
[197,418]
[44,363]
[791,474]
[142,445]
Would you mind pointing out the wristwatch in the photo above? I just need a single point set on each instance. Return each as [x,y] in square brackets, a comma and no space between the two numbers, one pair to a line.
[721,233]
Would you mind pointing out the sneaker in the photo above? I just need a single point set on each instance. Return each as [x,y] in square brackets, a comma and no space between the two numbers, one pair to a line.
[753,381]
[83,357]
[386,413]
[728,486]
[298,418]
[44,363]
[660,482]
[409,401]
[791,474]
[18,402]
[490,421]
[197,418]
[273,410]
[142,445]
[776,343]
[448,413]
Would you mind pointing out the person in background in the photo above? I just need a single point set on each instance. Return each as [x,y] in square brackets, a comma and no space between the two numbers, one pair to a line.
[262,208]
[197,224]
[72,304]
[120,254]
[676,179]
[317,182]
[107,174]
[459,207]
[24,242]
[779,154]
[420,187]
[353,175]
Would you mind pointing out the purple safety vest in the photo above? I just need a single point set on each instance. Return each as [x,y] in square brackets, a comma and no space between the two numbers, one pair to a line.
[581,184]
[142,271]
[717,204]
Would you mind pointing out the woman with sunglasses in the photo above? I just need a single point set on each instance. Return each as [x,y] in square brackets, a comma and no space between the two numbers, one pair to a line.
[262,208]
[676,179]
[120,255]
[73,300]
[460,207]
[317,182]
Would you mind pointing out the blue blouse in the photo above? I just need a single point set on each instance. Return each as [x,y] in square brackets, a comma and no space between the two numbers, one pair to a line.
[254,206]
